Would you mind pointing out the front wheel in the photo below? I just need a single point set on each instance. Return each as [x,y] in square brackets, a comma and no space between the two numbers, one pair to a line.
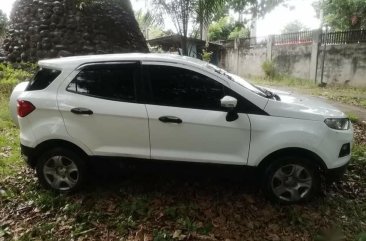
[61,170]
[291,180]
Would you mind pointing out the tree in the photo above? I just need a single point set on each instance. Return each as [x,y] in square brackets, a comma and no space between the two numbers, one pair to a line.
[205,12]
[343,14]
[221,29]
[180,12]
[225,28]
[239,32]
[293,27]
[255,8]
[150,24]
[3,23]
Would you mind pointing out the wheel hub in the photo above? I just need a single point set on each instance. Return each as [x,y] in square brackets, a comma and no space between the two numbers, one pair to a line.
[61,173]
[291,182]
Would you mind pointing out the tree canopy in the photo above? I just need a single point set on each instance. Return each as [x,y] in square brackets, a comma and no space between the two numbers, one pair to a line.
[253,8]
[150,24]
[184,13]
[295,26]
[226,28]
[343,14]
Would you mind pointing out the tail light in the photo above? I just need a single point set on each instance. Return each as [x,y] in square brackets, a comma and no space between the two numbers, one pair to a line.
[25,108]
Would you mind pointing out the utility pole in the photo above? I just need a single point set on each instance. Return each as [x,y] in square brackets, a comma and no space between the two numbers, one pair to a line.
[324,54]
[325,40]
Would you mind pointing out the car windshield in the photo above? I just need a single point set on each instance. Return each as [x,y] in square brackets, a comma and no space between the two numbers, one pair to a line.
[238,80]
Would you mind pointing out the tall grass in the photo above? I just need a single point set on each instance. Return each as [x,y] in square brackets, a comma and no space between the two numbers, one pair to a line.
[10,75]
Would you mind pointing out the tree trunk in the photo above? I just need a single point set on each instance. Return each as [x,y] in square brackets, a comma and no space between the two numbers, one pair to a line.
[184,45]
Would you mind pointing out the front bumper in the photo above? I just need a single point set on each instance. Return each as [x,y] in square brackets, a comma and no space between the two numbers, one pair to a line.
[335,174]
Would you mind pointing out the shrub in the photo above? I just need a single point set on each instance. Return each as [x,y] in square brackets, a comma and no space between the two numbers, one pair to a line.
[206,55]
[269,69]
[11,75]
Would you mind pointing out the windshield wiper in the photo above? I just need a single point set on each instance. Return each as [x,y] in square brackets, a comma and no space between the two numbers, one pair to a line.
[269,94]
[223,73]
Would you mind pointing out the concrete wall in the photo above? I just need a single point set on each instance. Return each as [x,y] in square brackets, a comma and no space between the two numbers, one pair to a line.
[244,61]
[344,64]
[293,60]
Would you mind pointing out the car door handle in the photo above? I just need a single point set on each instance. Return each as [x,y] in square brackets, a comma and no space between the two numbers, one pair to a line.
[81,111]
[170,119]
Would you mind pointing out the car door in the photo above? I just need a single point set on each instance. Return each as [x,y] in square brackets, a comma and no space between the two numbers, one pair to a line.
[186,120]
[100,108]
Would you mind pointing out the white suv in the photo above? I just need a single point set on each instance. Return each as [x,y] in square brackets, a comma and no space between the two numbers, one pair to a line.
[167,107]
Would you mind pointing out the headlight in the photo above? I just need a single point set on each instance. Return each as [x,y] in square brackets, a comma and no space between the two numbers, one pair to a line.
[338,123]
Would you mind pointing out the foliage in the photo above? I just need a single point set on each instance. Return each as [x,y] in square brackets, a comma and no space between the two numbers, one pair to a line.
[253,8]
[353,117]
[239,32]
[150,24]
[3,23]
[205,12]
[343,14]
[10,75]
[225,28]
[269,69]
[180,12]
[295,26]
[206,55]
[221,29]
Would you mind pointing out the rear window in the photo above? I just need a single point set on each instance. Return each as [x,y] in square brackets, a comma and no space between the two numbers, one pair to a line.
[42,79]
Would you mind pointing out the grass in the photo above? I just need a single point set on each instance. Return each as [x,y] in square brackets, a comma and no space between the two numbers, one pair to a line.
[169,206]
[341,93]
[10,159]
[353,118]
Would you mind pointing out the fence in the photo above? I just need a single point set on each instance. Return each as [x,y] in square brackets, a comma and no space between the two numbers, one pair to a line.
[332,38]
[344,37]
[301,55]
[293,38]
[253,41]
[305,37]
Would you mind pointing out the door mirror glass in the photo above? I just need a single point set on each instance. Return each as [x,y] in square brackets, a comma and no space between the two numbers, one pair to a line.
[229,102]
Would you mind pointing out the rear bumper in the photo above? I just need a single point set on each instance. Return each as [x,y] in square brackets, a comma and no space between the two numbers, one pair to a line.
[29,155]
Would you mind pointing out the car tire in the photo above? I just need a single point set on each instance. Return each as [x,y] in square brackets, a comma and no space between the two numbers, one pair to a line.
[62,170]
[290,180]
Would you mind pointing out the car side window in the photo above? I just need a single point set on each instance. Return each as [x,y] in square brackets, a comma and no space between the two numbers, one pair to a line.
[173,86]
[114,82]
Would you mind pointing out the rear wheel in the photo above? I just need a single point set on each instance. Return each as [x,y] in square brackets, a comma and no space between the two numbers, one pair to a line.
[291,180]
[61,170]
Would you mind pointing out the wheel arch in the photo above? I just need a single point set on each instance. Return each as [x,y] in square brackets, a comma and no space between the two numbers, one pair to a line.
[293,151]
[49,144]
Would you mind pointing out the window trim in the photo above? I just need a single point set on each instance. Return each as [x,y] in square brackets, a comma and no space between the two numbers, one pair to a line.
[86,66]
[150,101]
[146,75]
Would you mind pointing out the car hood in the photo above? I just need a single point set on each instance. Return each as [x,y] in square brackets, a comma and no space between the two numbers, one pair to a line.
[301,107]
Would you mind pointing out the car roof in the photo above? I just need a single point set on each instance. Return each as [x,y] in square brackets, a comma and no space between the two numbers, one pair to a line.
[76,61]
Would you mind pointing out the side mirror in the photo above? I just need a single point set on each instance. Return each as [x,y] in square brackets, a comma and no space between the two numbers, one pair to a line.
[229,102]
